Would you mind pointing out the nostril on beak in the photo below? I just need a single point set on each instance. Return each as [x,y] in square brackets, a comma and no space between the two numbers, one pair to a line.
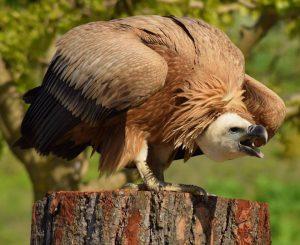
[259,132]
[251,128]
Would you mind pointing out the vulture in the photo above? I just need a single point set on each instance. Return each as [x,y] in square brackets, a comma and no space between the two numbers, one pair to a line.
[146,90]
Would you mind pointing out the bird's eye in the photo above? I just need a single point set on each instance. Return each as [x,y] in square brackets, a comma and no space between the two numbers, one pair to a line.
[234,130]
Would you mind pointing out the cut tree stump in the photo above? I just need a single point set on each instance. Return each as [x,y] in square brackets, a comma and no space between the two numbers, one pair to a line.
[143,217]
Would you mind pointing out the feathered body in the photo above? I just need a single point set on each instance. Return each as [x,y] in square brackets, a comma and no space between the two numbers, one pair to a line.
[161,80]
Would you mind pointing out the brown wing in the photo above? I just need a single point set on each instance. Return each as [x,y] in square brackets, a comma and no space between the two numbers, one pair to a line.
[266,106]
[99,70]
[100,67]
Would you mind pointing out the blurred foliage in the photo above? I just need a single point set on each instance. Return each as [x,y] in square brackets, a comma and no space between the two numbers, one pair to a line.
[15,201]
[1,145]
[29,28]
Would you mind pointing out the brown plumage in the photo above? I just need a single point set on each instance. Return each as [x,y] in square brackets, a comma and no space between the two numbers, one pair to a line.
[162,80]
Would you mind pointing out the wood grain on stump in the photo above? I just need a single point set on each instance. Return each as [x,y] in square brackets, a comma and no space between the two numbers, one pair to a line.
[142,217]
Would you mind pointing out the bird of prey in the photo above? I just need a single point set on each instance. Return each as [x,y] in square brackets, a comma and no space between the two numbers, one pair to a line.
[146,90]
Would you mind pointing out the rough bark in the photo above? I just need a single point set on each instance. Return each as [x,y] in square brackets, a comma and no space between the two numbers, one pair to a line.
[142,217]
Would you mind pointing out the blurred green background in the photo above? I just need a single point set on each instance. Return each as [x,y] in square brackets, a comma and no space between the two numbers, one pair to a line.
[266,31]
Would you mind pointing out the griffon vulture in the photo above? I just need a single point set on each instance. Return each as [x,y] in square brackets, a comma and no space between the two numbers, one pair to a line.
[145,90]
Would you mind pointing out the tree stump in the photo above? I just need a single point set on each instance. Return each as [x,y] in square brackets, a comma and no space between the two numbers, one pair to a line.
[143,217]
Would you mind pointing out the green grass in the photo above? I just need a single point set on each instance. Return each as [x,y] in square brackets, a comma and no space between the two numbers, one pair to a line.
[272,180]
[15,201]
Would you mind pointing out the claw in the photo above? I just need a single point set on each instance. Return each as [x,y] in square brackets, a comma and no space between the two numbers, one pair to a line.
[198,191]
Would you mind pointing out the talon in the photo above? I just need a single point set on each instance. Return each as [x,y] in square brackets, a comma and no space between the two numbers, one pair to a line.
[204,194]
[200,191]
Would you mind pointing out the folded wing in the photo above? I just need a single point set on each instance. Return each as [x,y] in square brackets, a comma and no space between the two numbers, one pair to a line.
[266,106]
[104,68]
[98,71]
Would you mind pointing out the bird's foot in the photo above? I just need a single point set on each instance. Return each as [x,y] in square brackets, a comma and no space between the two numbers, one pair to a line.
[154,184]
[164,186]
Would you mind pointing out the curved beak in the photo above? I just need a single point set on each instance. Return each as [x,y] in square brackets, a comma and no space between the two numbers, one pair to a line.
[255,137]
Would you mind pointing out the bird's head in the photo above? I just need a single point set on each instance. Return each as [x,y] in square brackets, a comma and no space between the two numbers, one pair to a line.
[231,136]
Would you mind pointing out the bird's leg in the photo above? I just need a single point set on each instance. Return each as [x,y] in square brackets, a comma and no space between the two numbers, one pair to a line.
[154,179]
[159,173]
[153,183]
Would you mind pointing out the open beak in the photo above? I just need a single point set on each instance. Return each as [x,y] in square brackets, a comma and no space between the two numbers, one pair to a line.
[255,137]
